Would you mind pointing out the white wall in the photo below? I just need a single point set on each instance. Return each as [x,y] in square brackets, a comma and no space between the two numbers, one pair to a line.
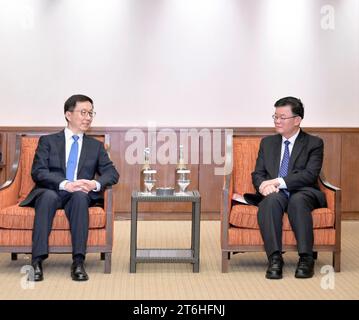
[179,62]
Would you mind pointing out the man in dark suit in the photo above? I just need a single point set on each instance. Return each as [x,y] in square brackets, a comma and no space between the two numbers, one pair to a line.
[64,168]
[285,177]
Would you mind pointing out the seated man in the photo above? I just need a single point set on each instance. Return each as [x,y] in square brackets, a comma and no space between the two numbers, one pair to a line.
[63,170]
[285,177]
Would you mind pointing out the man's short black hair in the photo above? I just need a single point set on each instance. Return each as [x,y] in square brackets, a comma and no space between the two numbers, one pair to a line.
[295,104]
[70,103]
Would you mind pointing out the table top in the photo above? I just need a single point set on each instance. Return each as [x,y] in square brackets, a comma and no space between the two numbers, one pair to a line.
[186,197]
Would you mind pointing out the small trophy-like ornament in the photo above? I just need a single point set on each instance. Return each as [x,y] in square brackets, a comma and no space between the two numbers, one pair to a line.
[182,173]
[147,174]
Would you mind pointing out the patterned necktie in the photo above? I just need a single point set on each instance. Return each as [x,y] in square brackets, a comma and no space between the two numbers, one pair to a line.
[72,160]
[283,170]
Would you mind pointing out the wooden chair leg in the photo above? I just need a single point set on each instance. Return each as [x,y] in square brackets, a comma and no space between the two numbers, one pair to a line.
[315,255]
[225,261]
[336,261]
[108,262]
[102,255]
[13,256]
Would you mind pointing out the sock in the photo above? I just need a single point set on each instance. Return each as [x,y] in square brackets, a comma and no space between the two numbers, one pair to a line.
[276,253]
[79,258]
[39,258]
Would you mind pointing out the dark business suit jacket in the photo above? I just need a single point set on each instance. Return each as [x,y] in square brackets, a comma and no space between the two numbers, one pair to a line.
[49,167]
[304,165]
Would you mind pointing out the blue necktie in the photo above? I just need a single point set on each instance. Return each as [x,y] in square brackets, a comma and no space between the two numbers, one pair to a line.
[283,170]
[72,160]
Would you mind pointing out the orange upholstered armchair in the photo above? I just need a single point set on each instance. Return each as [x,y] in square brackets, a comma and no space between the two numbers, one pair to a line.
[239,226]
[16,222]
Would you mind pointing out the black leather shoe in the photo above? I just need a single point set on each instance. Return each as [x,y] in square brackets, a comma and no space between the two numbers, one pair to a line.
[78,272]
[275,267]
[38,274]
[305,267]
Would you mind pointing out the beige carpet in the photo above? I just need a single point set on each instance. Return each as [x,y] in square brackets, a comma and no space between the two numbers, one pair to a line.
[176,281]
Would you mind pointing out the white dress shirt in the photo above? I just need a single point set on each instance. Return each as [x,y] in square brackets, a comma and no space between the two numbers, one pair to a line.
[282,184]
[68,143]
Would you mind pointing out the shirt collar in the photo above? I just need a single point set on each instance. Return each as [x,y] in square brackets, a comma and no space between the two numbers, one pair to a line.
[69,134]
[292,138]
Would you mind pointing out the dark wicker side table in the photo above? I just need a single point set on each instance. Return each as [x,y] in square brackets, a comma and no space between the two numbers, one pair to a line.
[166,255]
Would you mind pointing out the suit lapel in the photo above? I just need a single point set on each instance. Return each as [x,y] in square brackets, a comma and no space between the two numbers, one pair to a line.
[297,148]
[62,152]
[276,155]
[83,154]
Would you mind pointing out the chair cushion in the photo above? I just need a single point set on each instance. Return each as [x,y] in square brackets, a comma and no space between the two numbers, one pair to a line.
[28,148]
[245,153]
[57,238]
[245,216]
[22,218]
[252,237]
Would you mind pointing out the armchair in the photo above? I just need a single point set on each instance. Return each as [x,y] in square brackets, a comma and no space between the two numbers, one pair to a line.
[16,222]
[239,226]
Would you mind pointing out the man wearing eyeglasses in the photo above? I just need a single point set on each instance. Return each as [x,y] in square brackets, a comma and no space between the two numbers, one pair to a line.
[285,177]
[63,170]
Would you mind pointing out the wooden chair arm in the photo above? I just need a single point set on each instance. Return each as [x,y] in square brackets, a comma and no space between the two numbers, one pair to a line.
[110,215]
[327,184]
[226,204]
[9,190]
[332,193]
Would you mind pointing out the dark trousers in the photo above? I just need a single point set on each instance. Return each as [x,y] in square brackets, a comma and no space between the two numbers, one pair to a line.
[299,207]
[76,206]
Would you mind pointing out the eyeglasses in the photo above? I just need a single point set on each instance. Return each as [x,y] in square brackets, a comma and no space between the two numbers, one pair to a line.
[85,113]
[276,118]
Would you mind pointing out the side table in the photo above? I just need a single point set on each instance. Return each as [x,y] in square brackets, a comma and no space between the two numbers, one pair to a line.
[190,255]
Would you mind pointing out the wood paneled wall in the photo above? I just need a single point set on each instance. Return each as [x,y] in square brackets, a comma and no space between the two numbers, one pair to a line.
[340,167]
[2,157]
